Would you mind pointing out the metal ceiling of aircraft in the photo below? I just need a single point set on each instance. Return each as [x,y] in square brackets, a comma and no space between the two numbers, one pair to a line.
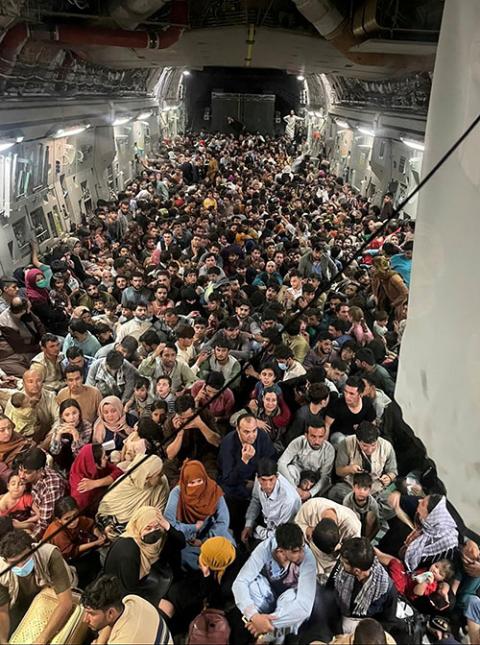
[372,40]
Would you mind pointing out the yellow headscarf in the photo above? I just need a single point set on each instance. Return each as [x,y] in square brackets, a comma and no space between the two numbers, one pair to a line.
[217,553]
[149,553]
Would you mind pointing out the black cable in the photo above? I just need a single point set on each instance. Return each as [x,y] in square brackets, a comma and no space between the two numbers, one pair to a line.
[320,291]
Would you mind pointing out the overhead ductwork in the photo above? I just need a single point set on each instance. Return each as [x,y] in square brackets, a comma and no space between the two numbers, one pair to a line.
[335,28]
[72,36]
[11,45]
[130,13]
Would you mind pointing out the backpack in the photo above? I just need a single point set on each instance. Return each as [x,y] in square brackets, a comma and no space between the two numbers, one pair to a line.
[210,626]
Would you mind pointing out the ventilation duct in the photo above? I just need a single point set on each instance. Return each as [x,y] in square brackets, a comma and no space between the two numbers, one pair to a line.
[130,13]
[335,28]
[71,36]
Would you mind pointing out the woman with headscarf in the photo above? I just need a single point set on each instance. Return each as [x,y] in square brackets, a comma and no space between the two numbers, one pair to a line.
[111,424]
[12,445]
[139,558]
[435,536]
[145,485]
[91,473]
[197,508]
[388,287]
[54,318]
[210,585]
[75,248]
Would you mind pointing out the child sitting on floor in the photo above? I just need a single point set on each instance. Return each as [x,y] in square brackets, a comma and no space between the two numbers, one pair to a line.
[23,415]
[361,502]
[267,378]
[163,392]
[18,504]
[422,582]
[141,400]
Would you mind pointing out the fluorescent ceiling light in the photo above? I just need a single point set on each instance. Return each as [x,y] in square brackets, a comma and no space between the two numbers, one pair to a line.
[367,131]
[186,72]
[19,139]
[300,78]
[69,132]
[364,145]
[342,124]
[121,120]
[415,145]
[144,115]
[6,145]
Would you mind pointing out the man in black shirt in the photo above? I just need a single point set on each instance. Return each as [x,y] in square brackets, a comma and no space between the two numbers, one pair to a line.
[345,413]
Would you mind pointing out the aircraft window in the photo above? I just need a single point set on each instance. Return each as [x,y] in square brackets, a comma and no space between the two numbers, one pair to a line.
[5,187]
[30,169]
[55,221]
[39,224]
[20,231]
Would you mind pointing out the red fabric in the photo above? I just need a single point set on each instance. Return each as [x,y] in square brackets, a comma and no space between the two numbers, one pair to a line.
[23,504]
[84,467]
[405,583]
[223,404]
[283,419]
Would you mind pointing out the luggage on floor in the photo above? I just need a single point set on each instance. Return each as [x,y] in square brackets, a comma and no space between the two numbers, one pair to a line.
[38,615]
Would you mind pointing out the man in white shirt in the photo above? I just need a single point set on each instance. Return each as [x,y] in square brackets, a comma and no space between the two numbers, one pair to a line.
[310,452]
[186,351]
[274,498]
[135,327]
[326,525]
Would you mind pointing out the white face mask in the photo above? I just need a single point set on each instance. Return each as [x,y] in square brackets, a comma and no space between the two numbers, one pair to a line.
[282,366]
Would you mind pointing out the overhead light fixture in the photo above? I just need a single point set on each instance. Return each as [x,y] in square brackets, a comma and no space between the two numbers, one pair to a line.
[186,72]
[121,120]
[367,131]
[143,116]
[19,139]
[365,146]
[342,124]
[69,132]
[300,78]
[415,145]
[6,145]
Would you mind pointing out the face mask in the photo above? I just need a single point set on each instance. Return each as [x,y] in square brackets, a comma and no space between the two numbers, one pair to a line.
[26,570]
[282,366]
[152,537]
[42,284]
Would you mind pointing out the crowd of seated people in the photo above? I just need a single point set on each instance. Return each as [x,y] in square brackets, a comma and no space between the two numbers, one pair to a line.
[199,415]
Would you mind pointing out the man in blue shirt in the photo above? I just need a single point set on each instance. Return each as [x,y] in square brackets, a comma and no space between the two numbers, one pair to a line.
[275,589]
[402,262]
[238,457]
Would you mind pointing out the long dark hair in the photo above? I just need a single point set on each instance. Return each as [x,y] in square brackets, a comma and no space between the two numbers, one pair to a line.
[71,403]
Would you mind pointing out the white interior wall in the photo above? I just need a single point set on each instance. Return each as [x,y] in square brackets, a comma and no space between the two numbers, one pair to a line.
[80,168]
[438,382]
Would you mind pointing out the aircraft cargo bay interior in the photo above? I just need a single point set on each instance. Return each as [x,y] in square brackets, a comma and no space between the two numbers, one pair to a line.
[238,300]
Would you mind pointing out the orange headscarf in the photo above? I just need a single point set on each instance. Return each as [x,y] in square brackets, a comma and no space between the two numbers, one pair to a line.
[197,502]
